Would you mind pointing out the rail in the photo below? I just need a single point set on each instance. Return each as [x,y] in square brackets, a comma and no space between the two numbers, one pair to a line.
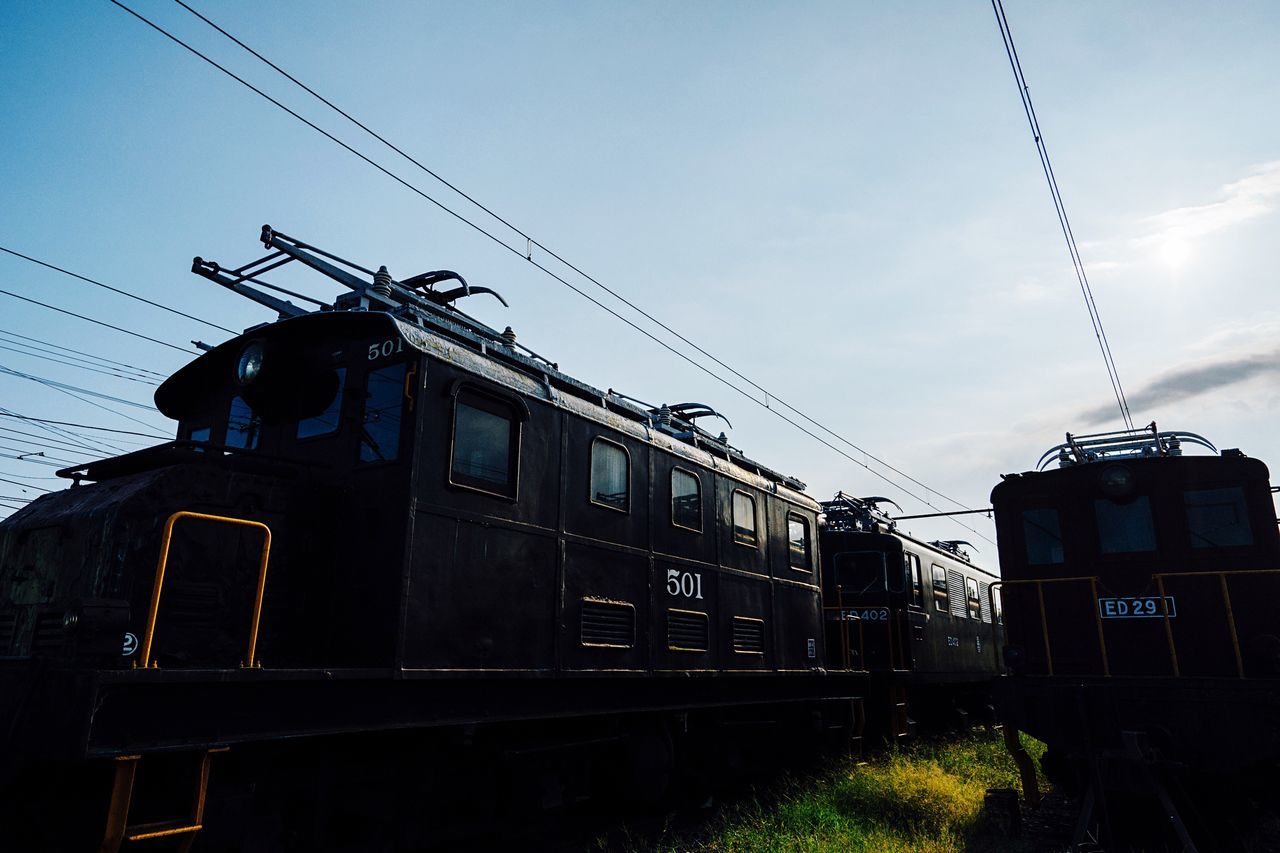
[166,541]
[1166,616]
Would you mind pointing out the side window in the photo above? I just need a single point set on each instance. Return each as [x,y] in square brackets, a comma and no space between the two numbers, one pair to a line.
[327,421]
[383,403]
[686,500]
[917,585]
[971,598]
[941,601]
[243,426]
[1043,534]
[485,451]
[1217,518]
[999,608]
[798,542]
[610,475]
[1125,528]
[744,519]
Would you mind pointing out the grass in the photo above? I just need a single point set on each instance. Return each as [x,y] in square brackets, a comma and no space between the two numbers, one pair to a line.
[927,797]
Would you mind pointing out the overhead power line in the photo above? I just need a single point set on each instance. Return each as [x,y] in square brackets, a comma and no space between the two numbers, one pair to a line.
[70,391]
[1095,318]
[91,443]
[183,350]
[7,414]
[32,353]
[126,293]
[24,485]
[38,343]
[527,254]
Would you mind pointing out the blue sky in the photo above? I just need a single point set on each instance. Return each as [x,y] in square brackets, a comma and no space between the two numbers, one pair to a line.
[840,200]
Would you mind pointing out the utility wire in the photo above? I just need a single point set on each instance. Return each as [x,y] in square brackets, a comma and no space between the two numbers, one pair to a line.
[530,241]
[70,390]
[528,257]
[159,305]
[24,485]
[5,413]
[58,349]
[58,443]
[112,373]
[1095,318]
[56,428]
[98,322]
[52,384]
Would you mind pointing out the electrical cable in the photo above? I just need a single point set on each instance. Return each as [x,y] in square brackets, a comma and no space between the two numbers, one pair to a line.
[67,389]
[531,241]
[5,413]
[1095,318]
[54,428]
[24,485]
[159,305]
[98,322]
[54,360]
[58,349]
[552,274]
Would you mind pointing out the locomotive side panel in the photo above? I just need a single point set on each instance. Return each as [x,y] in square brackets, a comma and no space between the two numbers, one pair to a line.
[686,628]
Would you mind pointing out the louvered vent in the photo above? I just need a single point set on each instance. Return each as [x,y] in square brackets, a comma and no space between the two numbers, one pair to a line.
[8,622]
[50,634]
[748,635]
[687,631]
[955,589]
[611,624]
[985,599]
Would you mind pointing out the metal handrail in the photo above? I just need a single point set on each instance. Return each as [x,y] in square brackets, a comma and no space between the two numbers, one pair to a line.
[1226,600]
[145,661]
[844,639]
[1044,621]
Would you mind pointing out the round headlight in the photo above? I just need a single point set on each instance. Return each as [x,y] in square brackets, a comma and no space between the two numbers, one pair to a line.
[250,364]
[1116,481]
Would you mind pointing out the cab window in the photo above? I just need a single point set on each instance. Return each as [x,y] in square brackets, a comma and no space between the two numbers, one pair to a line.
[327,421]
[1042,533]
[917,586]
[686,500]
[860,572]
[798,542]
[610,475]
[1217,518]
[1124,528]
[744,519]
[383,402]
[243,426]
[486,444]
[941,600]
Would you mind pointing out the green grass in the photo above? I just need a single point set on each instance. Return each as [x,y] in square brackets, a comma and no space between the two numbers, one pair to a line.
[926,797]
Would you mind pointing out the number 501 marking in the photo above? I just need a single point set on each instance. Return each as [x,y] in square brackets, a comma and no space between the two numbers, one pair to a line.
[688,584]
[386,348]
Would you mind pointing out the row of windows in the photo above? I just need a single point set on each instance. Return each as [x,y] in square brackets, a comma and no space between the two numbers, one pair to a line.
[954,594]
[1216,518]
[486,441]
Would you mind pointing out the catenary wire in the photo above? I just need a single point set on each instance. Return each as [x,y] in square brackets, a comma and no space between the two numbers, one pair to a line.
[531,241]
[66,389]
[56,428]
[54,360]
[183,350]
[9,414]
[544,269]
[159,305]
[58,349]
[1095,318]
[24,485]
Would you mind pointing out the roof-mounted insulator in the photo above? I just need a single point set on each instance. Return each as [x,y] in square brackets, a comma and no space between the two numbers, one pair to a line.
[509,335]
[664,415]
[382,282]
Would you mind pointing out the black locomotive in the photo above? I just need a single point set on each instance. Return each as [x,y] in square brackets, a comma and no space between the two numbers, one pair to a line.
[383,516]
[1140,588]
[919,614]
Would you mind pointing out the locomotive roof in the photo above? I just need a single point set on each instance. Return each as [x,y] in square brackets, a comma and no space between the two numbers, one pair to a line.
[429,322]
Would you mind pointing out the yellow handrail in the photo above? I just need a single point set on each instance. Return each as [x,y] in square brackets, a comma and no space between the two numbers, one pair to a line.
[844,640]
[1226,600]
[1044,620]
[145,661]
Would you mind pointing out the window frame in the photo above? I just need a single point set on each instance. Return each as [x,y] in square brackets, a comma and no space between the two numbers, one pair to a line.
[942,591]
[807,568]
[591,460]
[972,598]
[406,410]
[516,414]
[694,474]
[755,519]
[917,578]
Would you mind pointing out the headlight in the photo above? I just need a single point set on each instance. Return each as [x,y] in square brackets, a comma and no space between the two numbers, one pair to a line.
[1116,481]
[250,364]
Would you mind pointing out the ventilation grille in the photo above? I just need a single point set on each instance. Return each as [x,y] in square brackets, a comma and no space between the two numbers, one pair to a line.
[687,631]
[955,590]
[8,622]
[985,599]
[748,635]
[611,624]
[50,634]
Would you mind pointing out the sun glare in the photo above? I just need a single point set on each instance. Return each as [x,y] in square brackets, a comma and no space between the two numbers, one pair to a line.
[1174,254]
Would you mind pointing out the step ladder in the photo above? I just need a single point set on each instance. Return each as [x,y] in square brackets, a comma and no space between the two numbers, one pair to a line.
[119,830]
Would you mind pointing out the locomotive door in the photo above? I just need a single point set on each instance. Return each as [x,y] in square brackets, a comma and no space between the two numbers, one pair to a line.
[863,588]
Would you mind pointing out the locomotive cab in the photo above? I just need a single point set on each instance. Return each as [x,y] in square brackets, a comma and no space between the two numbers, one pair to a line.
[1133,559]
